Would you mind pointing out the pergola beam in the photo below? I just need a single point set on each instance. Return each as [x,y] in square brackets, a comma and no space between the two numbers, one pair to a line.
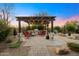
[35,18]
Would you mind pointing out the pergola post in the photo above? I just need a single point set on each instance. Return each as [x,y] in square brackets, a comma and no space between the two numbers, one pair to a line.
[47,33]
[51,25]
[47,28]
[19,25]
[29,26]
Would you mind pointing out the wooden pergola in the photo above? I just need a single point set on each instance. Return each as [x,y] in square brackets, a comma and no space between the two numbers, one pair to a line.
[37,19]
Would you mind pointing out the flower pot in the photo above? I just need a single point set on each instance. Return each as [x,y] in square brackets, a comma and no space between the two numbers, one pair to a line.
[69,34]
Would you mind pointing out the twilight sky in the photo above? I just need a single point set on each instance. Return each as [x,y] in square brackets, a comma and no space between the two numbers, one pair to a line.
[62,11]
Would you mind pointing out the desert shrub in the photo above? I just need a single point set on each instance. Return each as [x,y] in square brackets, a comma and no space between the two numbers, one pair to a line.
[4,34]
[73,46]
[4,30]
[63,52]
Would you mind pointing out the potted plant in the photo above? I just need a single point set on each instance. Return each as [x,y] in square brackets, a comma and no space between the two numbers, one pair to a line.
[47,37]
[14,32]
[69,34]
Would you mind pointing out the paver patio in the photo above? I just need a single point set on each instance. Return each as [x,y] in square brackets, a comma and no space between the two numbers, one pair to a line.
[39,45]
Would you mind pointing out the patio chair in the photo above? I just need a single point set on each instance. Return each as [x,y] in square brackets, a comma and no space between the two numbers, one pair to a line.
[26,34]
[42,33]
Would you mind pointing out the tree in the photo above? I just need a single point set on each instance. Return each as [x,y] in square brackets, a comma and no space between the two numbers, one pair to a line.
[70,26]
[57,28]
[6,10]
[42,13]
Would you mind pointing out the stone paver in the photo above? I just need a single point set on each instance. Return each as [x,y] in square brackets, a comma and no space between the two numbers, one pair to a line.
[39,51]
[39,45]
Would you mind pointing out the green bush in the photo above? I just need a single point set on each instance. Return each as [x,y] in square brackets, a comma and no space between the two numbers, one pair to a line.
[73,47]
[35,26]
[4,34]
[40,27]
[57,29]
[4,30]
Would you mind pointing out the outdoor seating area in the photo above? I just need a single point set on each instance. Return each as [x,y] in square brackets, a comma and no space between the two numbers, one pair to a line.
[41,34]
[40,42]
[28,34]
[39,45]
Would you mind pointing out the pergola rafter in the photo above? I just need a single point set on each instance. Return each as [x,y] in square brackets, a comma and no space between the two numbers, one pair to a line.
[36,19]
